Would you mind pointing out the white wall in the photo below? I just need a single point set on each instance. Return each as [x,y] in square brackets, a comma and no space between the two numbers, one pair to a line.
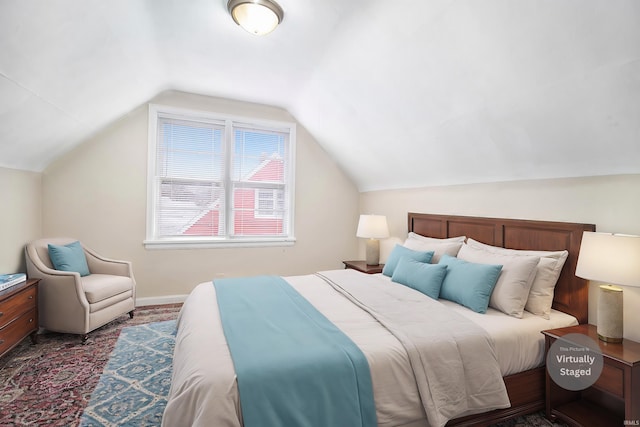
[20,216]
[610,202]
[97,193]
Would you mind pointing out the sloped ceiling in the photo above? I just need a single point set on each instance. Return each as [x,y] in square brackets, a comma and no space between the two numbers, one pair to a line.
[403,93]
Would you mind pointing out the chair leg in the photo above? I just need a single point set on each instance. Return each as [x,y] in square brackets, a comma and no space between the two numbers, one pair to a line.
[131,314]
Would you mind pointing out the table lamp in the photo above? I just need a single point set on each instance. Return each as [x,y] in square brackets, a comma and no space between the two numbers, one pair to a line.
[373,227]
[613,259]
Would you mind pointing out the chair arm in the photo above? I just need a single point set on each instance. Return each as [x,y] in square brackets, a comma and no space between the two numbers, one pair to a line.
[101,265]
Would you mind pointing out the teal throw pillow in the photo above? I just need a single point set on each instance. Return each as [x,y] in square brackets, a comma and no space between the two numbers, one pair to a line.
[424,277]
[400,251]
[69,258]
[468,283]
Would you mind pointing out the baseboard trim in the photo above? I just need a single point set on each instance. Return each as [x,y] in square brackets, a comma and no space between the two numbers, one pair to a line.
[166,299]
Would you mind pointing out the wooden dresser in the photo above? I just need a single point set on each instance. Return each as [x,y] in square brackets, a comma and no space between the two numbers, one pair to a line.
[18,314]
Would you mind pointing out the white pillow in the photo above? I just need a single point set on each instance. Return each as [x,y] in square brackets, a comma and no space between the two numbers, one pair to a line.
[547,273]
[512,289]
[416,236]
[439,247]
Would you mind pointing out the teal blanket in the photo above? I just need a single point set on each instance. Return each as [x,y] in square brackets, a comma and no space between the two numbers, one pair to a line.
[294,367]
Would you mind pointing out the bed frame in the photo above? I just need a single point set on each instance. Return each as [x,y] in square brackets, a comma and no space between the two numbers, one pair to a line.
[527,389]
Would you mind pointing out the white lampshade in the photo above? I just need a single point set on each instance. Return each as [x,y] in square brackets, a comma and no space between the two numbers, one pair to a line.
[373,227]
[258,17]
[610,258]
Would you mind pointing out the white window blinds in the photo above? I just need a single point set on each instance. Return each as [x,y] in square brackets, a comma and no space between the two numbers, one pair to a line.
[219,179]
[189,178]
[259,172]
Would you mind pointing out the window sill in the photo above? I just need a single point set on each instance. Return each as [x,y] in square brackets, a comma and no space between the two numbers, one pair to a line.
[206,244]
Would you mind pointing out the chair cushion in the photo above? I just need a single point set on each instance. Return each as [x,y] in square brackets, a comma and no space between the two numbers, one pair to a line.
[69,258]
[98,287]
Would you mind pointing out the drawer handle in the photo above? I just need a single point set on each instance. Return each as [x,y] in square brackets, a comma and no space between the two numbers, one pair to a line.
[1,342]
[30,296]
[1,314]
[30,320]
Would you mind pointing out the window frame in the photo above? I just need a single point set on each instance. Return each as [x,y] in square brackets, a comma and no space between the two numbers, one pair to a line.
[274,201]
[153,241]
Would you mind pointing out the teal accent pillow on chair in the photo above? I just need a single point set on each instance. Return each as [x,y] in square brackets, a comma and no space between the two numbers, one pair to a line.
[69,258]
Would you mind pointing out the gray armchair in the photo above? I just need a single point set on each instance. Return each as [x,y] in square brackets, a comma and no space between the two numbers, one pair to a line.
[70,303]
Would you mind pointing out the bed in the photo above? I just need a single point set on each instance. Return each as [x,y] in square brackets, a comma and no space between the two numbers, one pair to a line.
[204,390]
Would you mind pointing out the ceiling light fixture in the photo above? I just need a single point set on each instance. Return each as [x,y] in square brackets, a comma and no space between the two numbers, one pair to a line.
[258,17]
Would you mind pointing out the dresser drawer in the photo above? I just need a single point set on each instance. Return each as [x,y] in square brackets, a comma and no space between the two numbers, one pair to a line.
[16,305]
[15,331]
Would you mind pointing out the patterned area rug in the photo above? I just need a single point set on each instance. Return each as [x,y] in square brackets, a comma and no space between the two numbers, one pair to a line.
[133,387]
[53,382]
[50,383]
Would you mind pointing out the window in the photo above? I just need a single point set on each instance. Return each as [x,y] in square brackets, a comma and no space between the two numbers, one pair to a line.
[269,203]
[218,180]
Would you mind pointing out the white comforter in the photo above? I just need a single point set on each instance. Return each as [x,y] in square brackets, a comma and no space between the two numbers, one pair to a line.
[427,363]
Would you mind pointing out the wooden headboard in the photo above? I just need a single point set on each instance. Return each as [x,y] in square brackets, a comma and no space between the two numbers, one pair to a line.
[571,292]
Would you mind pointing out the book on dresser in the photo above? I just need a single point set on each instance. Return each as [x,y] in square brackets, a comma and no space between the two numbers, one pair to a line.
[9,280]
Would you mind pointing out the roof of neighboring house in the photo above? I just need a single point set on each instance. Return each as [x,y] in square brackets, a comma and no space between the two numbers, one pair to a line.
[269,170]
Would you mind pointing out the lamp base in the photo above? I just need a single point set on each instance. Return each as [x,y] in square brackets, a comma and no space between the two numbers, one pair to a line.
[373,252]
[610,319]
[611,340]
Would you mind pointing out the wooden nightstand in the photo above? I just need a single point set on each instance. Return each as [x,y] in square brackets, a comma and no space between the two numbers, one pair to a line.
[614,400]
[18,314]
[363,267]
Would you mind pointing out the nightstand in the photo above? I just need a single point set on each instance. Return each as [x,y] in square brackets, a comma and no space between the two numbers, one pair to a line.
[363,266]
[614,400]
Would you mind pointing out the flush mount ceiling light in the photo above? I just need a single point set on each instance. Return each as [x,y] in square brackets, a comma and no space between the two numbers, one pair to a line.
[258,17]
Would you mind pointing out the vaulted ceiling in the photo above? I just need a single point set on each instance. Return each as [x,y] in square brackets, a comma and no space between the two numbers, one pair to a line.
[402,93]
